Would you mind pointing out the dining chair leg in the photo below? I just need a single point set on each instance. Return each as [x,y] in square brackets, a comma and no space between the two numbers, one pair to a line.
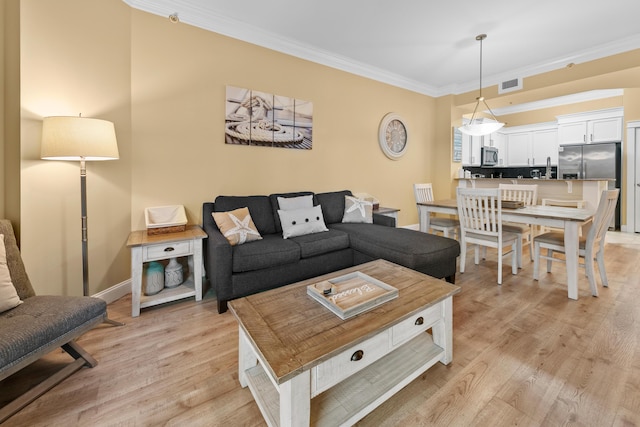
[549,255]
[463,256]
[536,261]
[519,252]
[476,253]
[603,272]
[589,269]
[516,257]
[500,266]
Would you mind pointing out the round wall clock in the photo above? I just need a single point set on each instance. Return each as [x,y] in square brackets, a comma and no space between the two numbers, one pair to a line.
[393,136]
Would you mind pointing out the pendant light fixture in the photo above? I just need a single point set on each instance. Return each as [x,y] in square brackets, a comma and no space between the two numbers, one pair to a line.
[479,126]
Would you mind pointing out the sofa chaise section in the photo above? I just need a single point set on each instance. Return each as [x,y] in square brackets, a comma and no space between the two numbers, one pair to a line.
[245,269]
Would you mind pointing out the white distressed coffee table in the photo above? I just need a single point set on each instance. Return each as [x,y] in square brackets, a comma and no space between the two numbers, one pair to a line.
[306,366]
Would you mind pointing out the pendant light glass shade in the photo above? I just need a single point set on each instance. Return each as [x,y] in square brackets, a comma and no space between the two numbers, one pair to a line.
[479,126]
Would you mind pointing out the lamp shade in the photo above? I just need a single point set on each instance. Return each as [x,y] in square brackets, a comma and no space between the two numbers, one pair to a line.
[481,126]
[78,138]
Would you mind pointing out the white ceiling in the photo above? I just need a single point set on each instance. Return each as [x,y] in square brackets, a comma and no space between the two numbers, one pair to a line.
[425,46]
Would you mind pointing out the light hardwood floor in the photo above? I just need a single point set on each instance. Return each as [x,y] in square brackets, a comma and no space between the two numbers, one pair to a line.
[524,354]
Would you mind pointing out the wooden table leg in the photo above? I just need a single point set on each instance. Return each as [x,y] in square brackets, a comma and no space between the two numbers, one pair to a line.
[571,253]
[295,401]
[136,280]
[246,357]
[443,331]
[424,218]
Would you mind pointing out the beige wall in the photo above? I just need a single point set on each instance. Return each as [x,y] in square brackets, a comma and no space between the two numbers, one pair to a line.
[3,83]
[75,59]
[163,85]
[178,124]
[11,113]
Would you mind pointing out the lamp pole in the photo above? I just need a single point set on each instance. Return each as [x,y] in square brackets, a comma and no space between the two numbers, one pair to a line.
[85,241]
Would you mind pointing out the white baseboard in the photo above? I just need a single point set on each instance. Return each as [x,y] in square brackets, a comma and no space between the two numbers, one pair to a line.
[412,226]
[115,292]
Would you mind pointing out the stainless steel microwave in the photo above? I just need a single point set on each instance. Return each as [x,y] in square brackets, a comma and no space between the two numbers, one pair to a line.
[489,156]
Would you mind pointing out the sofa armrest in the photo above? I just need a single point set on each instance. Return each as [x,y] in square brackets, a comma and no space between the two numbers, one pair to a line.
[218,255]
[384,220]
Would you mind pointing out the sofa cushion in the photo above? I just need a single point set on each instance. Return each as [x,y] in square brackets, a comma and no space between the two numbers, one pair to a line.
[410,248]
[357,210]
[300,222]
[259,208]
[332,205]
[8,296]
[321,243]
[271,251]
[291,203]
[236,226]
[275,206]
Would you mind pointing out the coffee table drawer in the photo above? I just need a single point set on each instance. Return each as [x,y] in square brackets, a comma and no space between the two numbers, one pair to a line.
[415,325]
[350,361]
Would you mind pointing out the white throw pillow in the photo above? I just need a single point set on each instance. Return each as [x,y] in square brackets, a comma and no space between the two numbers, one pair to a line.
[8,296]
[299,222]
[357,210]
[299,202]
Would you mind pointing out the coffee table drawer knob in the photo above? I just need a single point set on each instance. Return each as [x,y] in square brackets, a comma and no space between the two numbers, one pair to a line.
[358,355]
[419,321]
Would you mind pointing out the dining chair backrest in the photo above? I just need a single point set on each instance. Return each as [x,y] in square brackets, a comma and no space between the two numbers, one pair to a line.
[520,193]
[480,211]
[602,218]
[423,192]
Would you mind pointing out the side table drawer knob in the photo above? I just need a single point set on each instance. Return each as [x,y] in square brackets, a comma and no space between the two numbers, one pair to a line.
[358,355]
[419,321]
[169,249]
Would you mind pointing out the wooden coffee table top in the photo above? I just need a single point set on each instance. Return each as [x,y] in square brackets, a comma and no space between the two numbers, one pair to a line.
[293,332]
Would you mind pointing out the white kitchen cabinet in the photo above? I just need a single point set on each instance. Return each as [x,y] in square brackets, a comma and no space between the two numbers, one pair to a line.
[519,149]
[471,148]
[544,143]
[530,145]
[595,126]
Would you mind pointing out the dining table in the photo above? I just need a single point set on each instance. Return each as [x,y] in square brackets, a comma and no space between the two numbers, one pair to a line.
[571,220]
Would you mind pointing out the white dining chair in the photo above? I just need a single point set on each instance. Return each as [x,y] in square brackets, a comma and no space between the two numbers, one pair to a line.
[590,247]
[528,194]
[480,215]
[566,203]
[447,226]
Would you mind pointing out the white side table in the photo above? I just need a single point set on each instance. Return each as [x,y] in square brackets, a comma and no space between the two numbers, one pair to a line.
[145,248]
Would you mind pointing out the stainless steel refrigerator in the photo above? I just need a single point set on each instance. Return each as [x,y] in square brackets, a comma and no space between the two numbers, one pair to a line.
[592,161]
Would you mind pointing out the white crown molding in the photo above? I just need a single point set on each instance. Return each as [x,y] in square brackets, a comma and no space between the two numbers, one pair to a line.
[560,100]
[208,20]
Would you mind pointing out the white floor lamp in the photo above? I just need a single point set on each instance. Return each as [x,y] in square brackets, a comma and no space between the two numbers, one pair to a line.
[79,139]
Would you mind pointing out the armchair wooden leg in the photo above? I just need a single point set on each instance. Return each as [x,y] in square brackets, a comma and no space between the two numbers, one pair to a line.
[82,358]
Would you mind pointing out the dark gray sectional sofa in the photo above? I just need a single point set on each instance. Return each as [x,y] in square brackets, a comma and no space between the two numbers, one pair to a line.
[237,271]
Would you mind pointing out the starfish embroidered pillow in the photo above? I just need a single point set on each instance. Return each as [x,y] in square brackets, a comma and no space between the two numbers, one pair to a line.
[357,210]
[237,226]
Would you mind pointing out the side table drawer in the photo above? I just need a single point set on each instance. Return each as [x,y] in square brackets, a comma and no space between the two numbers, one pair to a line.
[415,325]
[350,361]
[167,250]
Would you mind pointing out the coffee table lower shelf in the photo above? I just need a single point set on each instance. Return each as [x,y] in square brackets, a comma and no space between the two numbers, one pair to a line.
[359,394]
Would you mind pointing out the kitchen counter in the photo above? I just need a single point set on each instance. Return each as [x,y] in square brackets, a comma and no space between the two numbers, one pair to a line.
[530,180]
[588,190]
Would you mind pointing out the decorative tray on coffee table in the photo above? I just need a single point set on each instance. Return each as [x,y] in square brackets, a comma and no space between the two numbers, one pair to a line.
[351,294]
